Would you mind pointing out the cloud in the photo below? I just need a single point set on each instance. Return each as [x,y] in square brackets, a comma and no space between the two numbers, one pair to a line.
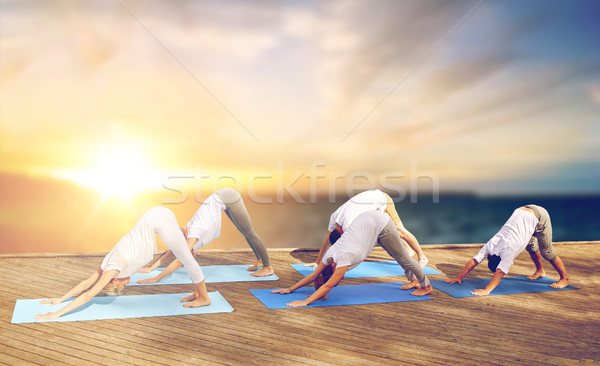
[387,40]
[594,93]
[299,76]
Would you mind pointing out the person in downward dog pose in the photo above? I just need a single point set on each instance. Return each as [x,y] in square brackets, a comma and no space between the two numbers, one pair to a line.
[351,248]
[132,252]
[205,226]
[371,200]
[529,227]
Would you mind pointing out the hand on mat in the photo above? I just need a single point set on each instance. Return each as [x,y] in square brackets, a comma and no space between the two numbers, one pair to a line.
[297,303]
[147,280]
[480,292]
[145,270]
[46,316]
[52,302]
[313,265]
[282,291]
[455,280]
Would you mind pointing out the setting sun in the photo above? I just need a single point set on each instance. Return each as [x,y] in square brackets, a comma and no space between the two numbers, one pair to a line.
[117,170]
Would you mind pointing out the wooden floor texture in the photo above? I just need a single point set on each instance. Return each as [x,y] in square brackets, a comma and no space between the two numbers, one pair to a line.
[551,328]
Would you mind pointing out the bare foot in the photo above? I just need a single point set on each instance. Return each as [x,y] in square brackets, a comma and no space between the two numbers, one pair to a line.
[423,261]
[537,275]
[412,284]
[265,271]
[255,267]
[197,303]
[189,298]
[562,283]
[147,280]
[422,291]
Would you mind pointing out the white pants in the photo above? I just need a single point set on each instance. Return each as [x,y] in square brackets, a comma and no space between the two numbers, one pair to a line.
[163,221]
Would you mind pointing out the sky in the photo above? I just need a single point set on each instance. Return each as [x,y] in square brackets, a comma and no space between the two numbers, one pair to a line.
[110,101]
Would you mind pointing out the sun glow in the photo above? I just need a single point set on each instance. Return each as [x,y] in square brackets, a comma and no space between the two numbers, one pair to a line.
[117,170]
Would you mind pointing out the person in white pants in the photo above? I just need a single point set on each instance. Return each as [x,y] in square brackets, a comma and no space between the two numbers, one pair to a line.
[132,252]
[205,226]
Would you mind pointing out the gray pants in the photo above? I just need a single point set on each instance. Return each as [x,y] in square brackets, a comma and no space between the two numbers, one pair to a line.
[542,236]
[237,213]
[390,240]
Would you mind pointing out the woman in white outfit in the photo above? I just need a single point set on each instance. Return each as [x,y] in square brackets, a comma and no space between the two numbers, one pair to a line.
[132,252]
[205,226]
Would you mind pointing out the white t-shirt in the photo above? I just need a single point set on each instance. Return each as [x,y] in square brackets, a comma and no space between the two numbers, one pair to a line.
[205,225]
[133,251]
[510,241]
[365,201]
[358,240]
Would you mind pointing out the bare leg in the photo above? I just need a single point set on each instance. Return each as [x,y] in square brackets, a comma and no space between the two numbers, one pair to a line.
[199,298]
[560,268]
[539,268]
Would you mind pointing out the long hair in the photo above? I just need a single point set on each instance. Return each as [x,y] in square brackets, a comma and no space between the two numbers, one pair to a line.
[322,278]
[112,290]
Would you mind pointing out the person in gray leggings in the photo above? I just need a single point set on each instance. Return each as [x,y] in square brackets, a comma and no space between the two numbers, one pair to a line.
[205,226]
[351,248]
[527,228]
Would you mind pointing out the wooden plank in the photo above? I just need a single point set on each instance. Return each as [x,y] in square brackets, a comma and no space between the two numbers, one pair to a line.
[551,328]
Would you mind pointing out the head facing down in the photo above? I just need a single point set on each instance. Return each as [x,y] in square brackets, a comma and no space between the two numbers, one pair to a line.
[115,286]
[323,277]
[493,262]
[334,236]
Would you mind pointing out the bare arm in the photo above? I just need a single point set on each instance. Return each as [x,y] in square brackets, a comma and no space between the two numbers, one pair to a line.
[472,263]
[83,298]
[303,282]
[337,276]
[165,257]
[410,239]
[79,288]
[496,278]
[323,248]
[172,267]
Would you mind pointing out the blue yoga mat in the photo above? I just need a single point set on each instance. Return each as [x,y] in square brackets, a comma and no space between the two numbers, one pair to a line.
[119,307]
[368,269]
[373,293]
[212,274]
[508,285]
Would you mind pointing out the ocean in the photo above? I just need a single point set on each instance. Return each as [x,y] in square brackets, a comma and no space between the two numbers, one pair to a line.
[469,218]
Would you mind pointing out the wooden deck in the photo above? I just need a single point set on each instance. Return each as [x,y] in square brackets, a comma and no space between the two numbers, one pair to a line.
[552,328]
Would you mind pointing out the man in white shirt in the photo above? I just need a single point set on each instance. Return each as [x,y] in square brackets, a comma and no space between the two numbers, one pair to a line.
[371,200]
[528,227]
[351,248]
